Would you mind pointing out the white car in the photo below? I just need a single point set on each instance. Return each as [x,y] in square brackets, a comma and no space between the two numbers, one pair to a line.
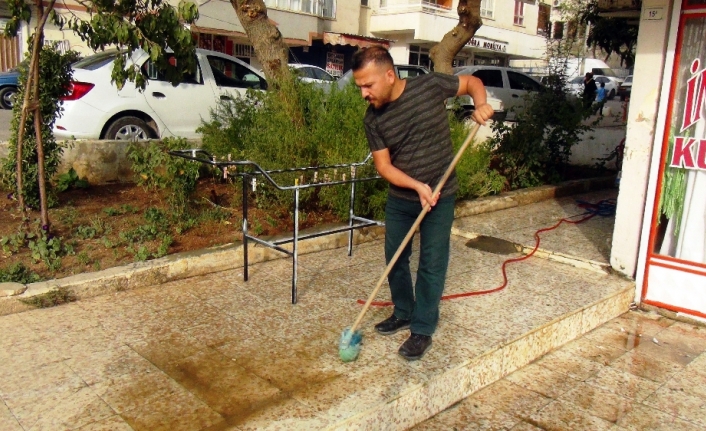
[503,83]
[611,85]
[96,109]
[310,73]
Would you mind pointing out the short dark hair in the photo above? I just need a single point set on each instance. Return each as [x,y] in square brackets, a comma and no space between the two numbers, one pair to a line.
[376,54]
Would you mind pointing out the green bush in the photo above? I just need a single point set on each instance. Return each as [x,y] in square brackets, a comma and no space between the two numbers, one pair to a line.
[54,77]
[18,273]
[155,170]
[475,177]
[535,150]
[301,126]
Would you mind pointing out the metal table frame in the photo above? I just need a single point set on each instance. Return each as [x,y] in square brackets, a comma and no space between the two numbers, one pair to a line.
[249,171]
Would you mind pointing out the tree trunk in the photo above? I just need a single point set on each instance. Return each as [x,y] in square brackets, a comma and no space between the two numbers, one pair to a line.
[31,92]
[266,38]
[469,21]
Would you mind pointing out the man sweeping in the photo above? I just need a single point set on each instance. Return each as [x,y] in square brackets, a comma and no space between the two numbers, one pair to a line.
[408,133]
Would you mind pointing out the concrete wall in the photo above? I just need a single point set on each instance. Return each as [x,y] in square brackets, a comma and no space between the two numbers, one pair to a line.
[347,18]
[598,143]
[647,83]
[102,162]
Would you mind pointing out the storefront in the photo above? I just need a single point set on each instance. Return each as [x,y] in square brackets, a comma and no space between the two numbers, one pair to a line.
[673,264]
[333,51]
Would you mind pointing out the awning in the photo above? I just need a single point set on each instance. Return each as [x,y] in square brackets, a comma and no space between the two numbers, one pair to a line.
[354,40]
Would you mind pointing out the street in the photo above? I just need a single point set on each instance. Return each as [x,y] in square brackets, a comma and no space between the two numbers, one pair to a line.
[5,118]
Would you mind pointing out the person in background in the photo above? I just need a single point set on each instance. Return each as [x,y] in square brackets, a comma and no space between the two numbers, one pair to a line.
[600,99]
[589,90]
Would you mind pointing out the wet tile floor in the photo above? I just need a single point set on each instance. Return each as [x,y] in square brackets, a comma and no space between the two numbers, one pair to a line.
[216,353]
[589,240]
[639,371]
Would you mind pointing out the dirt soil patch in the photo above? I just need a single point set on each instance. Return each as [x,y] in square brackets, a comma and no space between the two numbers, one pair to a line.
[113,225]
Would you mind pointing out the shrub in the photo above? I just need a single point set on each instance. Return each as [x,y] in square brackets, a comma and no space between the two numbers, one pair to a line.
[325,128]
[55,75]
[18,273]
[155,170]
[535,149]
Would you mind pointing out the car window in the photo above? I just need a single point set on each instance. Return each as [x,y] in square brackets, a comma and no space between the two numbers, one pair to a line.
[307,72]
[603,79]
[95,61]
[409,72]
[228,73]
[321,74]
[577,80]
[490,77]
[519,81]
[628,79]
[602,71]
[154,74]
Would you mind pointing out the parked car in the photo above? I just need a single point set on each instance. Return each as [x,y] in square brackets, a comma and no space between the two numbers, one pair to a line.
[409,70]
[625,88]
[8,88]
[503,83]
[314,74]
[403,71]
[96,109]
[611,85]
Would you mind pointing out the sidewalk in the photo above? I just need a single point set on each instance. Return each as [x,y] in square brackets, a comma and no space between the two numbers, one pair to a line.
[216,353]
[637,372]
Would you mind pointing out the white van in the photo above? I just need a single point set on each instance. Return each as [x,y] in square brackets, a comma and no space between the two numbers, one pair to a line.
[575,67]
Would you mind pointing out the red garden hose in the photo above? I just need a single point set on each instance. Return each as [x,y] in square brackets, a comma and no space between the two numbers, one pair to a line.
[603,208]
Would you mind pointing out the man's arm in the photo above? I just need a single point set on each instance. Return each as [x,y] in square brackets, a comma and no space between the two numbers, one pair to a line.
[395,176]
[474,87]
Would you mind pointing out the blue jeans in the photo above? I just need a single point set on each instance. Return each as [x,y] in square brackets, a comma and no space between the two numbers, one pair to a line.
[419,303]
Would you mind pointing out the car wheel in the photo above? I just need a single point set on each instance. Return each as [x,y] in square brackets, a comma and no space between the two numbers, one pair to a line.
[7,97]
[129,128]
[611,96]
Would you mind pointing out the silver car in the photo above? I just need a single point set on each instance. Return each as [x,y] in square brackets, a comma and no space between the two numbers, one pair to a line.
[504,83]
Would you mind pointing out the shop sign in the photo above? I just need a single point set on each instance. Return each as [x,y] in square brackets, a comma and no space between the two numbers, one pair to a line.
[334,63]
[675,267]
[490,45]
[689,152]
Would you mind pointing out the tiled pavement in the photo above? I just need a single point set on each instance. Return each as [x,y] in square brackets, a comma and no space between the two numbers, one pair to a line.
[638,372]
[215,353]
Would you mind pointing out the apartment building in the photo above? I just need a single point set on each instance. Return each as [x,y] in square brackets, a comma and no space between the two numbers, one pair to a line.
[320,32]
[327,33]
[512,29]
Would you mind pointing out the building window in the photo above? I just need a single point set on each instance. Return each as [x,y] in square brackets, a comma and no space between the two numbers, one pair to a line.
[364,2]
[419,56]
[322,8]
[480,60]
[486,8]
[558,30]
[572,29]
[519,12]
[543,24]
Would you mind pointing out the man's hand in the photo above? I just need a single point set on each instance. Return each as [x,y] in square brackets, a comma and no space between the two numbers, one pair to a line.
[425,195]
[482,113]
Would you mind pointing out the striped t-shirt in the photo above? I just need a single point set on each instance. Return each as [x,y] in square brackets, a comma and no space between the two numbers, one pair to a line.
[415,129]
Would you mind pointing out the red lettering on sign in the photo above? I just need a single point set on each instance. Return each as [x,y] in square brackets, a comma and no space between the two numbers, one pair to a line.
[682,156]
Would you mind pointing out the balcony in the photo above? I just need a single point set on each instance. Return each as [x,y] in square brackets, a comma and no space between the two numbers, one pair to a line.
[320,8]
[440,7]
[426,20]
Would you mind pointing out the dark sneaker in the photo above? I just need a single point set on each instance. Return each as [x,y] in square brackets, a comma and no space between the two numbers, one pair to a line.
[415,347]
[391,325]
